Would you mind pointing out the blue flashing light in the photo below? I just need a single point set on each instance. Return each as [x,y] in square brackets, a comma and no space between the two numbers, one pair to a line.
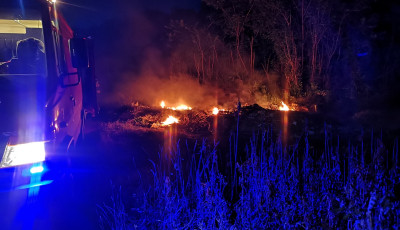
[36,169]
[362,54]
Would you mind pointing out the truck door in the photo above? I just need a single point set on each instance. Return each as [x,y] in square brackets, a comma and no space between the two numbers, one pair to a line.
[66,105]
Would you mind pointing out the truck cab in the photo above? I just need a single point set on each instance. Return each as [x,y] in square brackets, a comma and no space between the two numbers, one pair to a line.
[47,86]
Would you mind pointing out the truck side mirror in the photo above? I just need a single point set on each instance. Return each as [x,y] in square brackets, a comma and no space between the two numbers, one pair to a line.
[69,79]
[78,50]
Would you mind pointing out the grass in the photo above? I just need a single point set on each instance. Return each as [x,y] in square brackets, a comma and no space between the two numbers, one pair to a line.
[344,186]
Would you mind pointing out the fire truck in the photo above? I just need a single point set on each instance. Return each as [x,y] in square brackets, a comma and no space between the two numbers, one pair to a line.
[47,90]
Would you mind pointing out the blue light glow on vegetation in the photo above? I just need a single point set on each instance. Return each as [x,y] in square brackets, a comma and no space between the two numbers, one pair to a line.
[33,185]
[274,187]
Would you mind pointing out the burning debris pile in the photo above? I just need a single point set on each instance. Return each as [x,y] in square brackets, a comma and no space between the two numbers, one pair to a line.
[190,120]
[145,118]
[183,115]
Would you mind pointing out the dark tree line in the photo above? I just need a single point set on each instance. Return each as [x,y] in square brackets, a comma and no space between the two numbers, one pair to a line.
[318,48]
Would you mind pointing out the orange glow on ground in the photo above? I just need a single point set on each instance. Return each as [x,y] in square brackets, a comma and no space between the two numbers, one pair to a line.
[170,120]
[179,107]
[284,107]
[215,111]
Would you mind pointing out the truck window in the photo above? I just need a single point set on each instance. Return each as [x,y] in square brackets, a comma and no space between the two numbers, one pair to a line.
[21,44]
[61,35]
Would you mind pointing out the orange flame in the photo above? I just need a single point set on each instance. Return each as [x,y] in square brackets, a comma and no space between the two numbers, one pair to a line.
[215,111]
[180,107]
[169,121]
[284,107]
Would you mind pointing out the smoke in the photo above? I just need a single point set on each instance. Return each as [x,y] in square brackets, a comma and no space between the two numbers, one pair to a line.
[150,88]
[176,90]
[133,65]
[126,49]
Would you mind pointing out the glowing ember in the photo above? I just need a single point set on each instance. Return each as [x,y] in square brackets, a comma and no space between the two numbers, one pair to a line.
[284,107]
[215,111]
[181,107]
[170,120]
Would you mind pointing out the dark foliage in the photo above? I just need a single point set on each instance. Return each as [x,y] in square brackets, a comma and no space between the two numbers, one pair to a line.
[275,187]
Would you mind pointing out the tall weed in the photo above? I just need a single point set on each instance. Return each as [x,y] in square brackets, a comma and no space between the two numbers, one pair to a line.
[276,187]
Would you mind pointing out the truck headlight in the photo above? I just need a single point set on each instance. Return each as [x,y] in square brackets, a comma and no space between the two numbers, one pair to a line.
[21,154]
